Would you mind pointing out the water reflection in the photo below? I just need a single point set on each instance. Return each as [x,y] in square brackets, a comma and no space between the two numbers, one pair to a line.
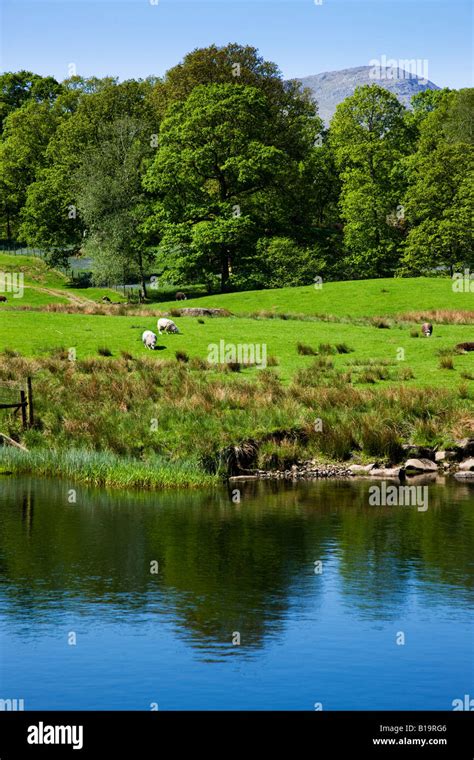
[226,567]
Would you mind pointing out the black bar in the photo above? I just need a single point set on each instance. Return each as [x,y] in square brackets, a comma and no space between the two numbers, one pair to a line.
[224,734]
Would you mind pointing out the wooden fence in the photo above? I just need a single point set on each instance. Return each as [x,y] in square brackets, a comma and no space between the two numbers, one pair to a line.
[24,402]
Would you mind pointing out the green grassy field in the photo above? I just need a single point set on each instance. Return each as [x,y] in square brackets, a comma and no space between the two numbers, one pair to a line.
[377,382]
[358,298]
[38,333]
[44,286]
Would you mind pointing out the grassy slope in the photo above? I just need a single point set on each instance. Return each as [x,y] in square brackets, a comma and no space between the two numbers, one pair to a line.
[222,417]
[35,333]
[38,277]
[359,298]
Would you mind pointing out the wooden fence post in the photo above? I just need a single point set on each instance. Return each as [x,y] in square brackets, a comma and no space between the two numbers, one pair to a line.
[23,408]
[31,416]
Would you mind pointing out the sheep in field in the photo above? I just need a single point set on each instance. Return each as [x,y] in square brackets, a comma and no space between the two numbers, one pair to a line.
[166,325]
[181,296]
[149,339]
[3,299]
[427,329]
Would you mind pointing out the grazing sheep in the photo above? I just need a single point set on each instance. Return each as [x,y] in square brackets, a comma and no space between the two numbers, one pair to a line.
[427,329]
[149,339]
[469,346]
[3,299]
[106,299]
[181,296]
[167,325]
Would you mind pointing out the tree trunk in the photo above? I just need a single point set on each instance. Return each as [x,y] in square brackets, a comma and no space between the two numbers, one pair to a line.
[224,270]
[142,275]
[9,229]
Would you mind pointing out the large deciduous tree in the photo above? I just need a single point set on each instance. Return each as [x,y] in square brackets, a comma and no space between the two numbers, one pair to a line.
[111,201]
[220,180]
[440,195]
[51,215]
[369,136]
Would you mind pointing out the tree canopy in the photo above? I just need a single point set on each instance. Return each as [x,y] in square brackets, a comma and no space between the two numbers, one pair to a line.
[221,172]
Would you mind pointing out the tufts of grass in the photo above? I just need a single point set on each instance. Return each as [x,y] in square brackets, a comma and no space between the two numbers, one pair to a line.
[106,469]
[380,322]
[9,353]
[182,356]
[440,316]
[199,364]
[304,350]
[326,349]
[343,348]
[273,361]
[104,351]
[406,374]
[446,362]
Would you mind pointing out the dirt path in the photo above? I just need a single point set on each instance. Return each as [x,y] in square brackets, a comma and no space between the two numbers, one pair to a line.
[71,297]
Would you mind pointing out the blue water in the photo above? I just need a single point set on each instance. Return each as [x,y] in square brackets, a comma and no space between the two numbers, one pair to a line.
[166,639]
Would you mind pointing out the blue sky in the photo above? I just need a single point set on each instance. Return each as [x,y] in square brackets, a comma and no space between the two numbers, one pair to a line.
[135,38]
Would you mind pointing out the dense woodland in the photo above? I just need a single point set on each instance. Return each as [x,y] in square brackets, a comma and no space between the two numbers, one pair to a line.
[222,173]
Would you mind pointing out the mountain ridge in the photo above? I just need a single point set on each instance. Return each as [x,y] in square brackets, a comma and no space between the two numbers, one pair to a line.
[329,88]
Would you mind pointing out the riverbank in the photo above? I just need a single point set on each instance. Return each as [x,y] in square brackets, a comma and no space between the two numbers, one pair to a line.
[150,423]
[103,469]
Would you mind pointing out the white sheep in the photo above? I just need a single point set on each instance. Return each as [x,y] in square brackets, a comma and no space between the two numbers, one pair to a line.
[167,325]
[149,339]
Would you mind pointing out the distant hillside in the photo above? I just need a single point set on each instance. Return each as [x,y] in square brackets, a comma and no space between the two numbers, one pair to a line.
[332,87]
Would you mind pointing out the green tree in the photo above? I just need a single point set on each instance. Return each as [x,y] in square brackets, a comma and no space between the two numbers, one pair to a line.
[219,180]
[27,133]
[111,200]
[369,136]
[50,216]
[17,88]
[440,194]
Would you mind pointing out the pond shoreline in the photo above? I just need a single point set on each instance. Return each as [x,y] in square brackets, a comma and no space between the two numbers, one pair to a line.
[102,469]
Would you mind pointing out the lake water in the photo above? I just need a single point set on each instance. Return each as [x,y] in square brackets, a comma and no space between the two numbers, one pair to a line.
[83,572]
